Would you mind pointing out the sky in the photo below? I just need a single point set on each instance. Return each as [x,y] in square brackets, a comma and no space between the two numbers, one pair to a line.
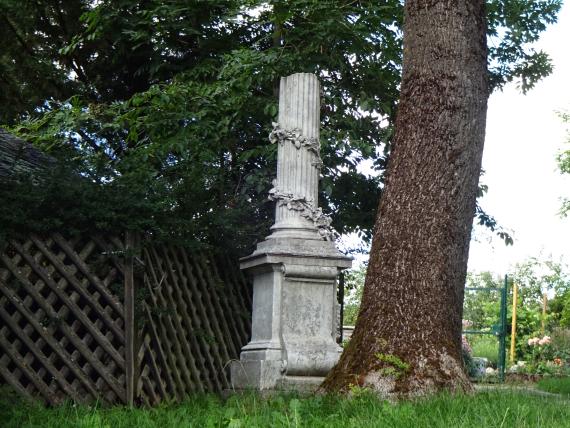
[524,135]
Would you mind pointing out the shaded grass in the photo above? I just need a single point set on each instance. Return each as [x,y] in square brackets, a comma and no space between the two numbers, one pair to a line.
[486,409]
[557,385]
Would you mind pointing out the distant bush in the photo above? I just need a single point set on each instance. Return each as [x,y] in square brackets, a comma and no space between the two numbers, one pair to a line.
[561,343]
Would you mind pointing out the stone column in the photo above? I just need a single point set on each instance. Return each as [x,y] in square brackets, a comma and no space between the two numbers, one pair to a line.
[298,158]
[295,269]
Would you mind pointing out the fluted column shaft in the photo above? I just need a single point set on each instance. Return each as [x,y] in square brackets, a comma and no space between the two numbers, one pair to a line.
[298,164]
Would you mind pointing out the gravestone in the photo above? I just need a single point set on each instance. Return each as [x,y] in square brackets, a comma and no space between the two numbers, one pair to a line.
[295,268]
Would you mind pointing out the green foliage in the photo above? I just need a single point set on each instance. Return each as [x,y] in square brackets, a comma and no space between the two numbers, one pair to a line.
[172,101]
[197,123]
[496,408]
[565,313]
[485,346]
[513,26]
[533,278]
[74,204]
[392,365]
[482,307]
[353,289]
[564,163]
[32,70]
[561,344]
[549,358]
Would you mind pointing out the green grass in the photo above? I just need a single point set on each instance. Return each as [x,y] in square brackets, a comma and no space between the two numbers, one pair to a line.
[485,346]
[557,385]
[485,409]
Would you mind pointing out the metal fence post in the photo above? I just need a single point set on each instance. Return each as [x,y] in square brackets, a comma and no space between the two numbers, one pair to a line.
[503,331]
[514,324]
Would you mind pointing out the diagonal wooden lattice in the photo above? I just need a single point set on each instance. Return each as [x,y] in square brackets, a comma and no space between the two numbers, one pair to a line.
[196,316]
[62,333]
[101,318]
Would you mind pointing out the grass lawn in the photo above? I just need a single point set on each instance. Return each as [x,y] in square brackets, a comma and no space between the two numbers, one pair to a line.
[485,409]
[485,346]
[558,385]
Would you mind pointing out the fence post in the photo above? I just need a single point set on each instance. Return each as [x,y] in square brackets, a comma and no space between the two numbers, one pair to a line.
[503,332]
[129,286]
[514,324]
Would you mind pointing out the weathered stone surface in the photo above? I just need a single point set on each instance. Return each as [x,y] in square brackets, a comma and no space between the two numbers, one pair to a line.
[298,160]
[295,269]
[257,374]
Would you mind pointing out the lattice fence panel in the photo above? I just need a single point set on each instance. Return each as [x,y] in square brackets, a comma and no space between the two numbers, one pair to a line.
[105,318]
[62,334]
[196,316]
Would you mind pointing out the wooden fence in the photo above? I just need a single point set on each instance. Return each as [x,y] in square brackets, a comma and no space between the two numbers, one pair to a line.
[105,318]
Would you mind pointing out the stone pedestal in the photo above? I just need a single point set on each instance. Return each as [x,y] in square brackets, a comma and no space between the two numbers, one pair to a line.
[293,343]
[295,269]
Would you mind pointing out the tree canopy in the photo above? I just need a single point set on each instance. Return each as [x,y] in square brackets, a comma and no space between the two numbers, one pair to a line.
[164,107]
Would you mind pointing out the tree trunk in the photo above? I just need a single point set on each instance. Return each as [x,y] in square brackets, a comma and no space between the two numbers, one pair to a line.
[407,339]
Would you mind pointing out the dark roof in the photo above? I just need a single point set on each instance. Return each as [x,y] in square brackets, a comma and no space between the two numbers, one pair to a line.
[18,156]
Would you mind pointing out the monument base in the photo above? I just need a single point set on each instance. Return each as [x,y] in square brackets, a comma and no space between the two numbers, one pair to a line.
[303,384]
[266,376]
[258,375]
[295,317]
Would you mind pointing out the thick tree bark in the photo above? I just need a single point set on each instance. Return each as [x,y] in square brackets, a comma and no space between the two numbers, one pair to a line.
[407,339]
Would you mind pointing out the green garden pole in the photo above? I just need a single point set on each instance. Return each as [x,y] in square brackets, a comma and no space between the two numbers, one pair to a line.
[503,332]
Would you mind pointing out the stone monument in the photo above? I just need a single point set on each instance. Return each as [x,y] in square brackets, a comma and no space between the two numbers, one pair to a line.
[295,268]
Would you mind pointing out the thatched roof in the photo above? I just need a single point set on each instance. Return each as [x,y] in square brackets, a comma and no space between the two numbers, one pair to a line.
[18,156]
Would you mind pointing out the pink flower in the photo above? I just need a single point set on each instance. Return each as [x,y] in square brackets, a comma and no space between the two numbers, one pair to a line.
[533,341]
[544,341]
[466,323]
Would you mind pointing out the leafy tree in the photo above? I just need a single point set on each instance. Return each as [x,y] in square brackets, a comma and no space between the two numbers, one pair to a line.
[482,307]
[174,100]
[533,277]
[536,276]
[565,312]
[31,69]
[200,126]
[413,294]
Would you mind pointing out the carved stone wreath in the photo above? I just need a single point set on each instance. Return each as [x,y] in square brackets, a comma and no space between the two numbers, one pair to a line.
[295,137]
[307,210]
